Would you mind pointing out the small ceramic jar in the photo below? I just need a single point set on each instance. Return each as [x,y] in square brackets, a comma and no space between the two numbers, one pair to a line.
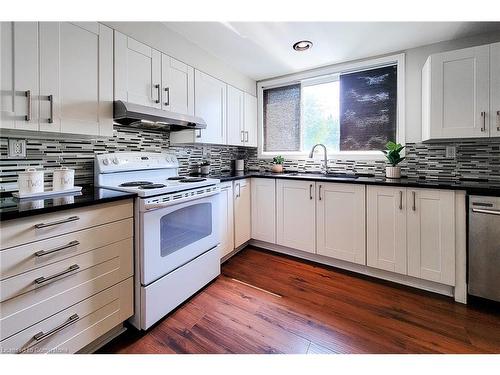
[30,181]
[63,179]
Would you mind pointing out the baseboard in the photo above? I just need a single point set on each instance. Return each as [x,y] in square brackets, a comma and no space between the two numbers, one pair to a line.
[234,252]
[358,268]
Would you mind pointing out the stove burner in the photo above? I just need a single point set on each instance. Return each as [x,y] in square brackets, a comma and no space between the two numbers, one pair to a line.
[151,186]
[192,179]
[176,178]
[135,183]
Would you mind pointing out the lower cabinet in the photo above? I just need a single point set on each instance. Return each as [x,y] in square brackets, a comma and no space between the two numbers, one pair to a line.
[431,235]
[226,225]
[264,209]
[340,220]
[242,212]
[386,228]
[296,214]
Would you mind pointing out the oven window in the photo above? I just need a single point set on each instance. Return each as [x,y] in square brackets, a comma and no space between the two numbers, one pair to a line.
[184,227]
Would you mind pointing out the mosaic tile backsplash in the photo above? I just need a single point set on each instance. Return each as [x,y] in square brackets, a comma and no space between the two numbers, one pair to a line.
[474,159]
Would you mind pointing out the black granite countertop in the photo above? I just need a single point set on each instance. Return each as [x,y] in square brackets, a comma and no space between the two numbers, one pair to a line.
[13,208]
[481,187]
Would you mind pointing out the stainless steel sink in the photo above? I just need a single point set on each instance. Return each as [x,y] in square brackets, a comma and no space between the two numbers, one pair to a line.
[324,175]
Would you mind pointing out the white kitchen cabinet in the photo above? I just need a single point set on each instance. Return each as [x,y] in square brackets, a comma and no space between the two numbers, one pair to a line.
[495,90]
[76,78]
[386,228]
[19,79]
[177,86]
[137,72]
[235,116]
[242,212]
[340,221]
[431,234]
[226,218]
[250,120]
[264,209]
[296,215]
[456,94]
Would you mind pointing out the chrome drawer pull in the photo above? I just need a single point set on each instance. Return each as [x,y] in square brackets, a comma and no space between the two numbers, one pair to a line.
[167,90]
[28,99]
[414,207]
[400,200]
[43,335]
[310,191]
[41,253]
[483,211]
[42,280]
[158,93]
[51,106]
[63,221]
[498,121]
[483,116]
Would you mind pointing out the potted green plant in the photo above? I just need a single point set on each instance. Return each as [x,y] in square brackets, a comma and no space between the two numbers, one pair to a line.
[392,153]
[278,164]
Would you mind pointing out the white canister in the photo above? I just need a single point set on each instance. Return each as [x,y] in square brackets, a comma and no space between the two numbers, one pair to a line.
[63,179]
[31,181]
[239,165]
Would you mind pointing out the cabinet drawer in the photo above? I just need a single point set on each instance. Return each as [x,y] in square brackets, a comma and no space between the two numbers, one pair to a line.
[19,259]
[100,269]
[39,227]
[77,326]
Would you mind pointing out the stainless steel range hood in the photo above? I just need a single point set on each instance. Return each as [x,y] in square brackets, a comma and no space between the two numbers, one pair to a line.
[141,116]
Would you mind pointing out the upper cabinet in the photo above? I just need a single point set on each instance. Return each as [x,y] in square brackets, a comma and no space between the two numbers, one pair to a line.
[241,118]
[137,72]
[495,90]
[177,86]
[250,120]
[59,79]
[460,93]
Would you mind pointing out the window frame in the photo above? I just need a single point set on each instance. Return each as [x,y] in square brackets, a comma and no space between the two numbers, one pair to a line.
[325,74]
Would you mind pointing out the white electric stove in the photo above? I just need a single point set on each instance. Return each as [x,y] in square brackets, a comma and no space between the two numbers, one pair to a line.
[176,229]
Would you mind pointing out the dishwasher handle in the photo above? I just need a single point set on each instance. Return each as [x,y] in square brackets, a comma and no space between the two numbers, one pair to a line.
[485,211]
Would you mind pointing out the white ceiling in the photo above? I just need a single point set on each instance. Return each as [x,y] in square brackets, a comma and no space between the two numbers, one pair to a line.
[264,49]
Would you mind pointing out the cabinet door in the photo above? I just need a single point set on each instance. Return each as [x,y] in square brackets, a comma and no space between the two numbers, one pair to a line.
[226,218]
[177,86]
[341,221]
[19,79]
[250,120]
[296,218]
[210,105]
[431,235]
[242,212]
[495,90]
[264,209]
[76,78]
[459,96]
[235,116]
[137,72]
[386,228]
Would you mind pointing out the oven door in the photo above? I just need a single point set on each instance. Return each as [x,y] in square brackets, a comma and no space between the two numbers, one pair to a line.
[172,236]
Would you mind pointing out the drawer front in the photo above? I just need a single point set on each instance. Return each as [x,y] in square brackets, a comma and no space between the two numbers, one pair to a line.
[19,259]
[77,326]
[111,264]
[39,227]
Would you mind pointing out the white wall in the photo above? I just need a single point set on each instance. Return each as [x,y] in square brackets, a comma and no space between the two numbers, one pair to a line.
[160,37]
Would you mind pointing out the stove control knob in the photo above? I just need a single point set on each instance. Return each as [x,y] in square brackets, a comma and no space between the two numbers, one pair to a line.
[115,161]
[105,161]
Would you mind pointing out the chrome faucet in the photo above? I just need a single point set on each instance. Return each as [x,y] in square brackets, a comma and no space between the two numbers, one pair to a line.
[311,154]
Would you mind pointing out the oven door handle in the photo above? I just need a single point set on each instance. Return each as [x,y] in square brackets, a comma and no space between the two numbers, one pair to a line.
[155,206]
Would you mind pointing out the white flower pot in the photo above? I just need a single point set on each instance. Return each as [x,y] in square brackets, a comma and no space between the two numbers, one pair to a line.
[393,172]
[277,168]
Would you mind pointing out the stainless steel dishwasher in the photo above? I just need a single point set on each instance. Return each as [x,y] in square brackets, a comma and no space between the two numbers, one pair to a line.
[484,247]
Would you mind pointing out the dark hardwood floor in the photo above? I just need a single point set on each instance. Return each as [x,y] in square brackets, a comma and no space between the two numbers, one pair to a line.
[303,307]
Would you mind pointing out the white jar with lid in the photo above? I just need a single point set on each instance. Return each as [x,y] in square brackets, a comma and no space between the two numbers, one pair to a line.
[30,181]
[63,179]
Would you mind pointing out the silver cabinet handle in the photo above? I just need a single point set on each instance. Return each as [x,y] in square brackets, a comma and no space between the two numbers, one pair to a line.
[157,87]
[242,136]
[40,336]
[498,121]
[310,191]
[198,133]
[41,253]
[246,135]
[239,190]
[43,279]
[28,100]
[63,221]
[488,212]
[400,200]
[167,90]
[483,116]
[50,98]
[414,207]
[319,192]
